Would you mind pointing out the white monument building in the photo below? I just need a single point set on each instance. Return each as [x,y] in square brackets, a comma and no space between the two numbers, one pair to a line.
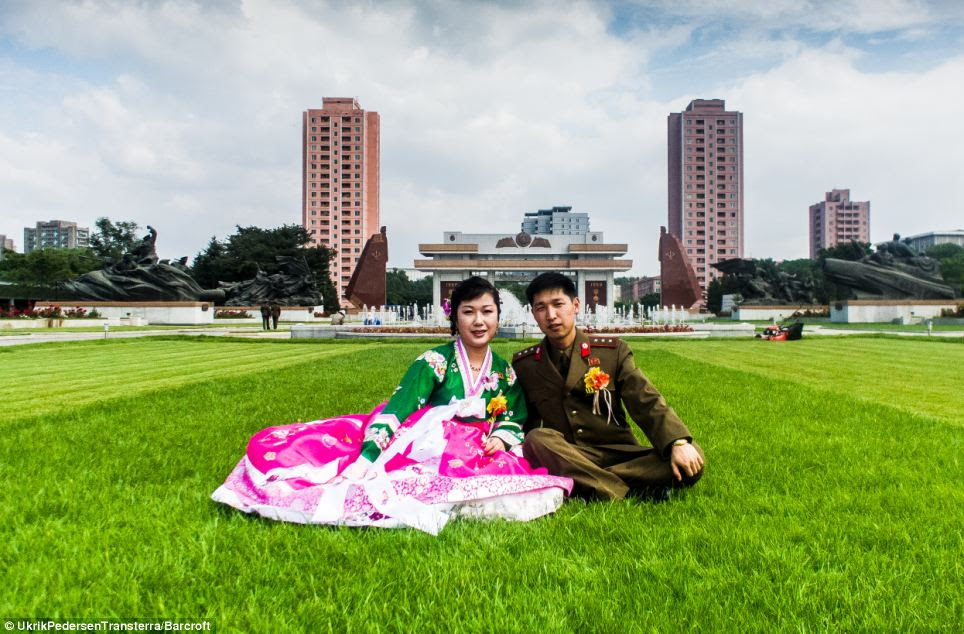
[502,257]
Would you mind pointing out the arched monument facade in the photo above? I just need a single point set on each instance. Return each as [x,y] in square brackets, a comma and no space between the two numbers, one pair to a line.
[504,257]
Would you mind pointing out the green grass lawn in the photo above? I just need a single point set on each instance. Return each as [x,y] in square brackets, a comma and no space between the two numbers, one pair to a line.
[832,499]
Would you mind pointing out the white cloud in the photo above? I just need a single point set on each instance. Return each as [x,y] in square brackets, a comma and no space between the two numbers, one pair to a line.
[188,117]
[855,16]
[816,123]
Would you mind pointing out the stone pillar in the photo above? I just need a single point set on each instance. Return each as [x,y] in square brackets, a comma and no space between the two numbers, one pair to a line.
[610,291]
[581,284]
[436,288]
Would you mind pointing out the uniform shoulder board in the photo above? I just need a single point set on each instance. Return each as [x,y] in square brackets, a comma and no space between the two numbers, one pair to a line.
[522,354]
[598,341]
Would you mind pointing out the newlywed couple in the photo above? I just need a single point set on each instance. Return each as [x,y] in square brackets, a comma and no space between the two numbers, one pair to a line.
[466,434]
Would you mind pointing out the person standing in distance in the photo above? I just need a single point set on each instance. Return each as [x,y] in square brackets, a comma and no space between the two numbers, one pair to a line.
[576,388]
[265,317]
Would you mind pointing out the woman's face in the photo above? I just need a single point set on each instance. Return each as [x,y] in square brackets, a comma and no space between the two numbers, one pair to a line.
[477,321]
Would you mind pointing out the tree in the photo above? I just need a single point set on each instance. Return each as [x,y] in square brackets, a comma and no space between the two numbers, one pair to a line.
[46,268]
[650,299]
[944,251]
[401,291]
[251,249]
[724,285]
[799,267]
[112,240]
[852,250]
[517,289]
[212,265]
[951,258]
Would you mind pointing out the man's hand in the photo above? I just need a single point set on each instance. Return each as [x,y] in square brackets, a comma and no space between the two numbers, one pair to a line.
[492,445]
[685,459]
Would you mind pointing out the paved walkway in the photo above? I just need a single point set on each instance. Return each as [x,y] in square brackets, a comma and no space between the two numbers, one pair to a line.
[823,330]
[47,336]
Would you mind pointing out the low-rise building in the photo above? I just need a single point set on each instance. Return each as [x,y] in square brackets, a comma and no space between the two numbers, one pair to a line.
[6,244]
[55,234]
[637,289]
[923,241]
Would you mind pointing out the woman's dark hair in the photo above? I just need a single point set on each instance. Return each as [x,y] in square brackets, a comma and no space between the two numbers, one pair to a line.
[551,281]
[466,291]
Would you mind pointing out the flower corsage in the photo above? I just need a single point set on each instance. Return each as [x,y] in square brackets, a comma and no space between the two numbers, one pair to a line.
[597,382]
[497,405]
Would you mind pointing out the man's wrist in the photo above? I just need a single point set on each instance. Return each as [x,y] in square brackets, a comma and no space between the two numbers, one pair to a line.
[679,442]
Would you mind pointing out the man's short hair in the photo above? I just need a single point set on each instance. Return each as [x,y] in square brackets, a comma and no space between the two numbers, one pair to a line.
[551,281]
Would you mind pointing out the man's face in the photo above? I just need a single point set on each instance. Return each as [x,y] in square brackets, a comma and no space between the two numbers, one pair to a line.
[556,314]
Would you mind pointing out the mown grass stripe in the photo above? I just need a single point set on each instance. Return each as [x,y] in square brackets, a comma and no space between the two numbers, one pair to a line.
[126,370]
[919,377]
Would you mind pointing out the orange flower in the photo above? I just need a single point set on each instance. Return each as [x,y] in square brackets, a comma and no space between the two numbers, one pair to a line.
[596,380]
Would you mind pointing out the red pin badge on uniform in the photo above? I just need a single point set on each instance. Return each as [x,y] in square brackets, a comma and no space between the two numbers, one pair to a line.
[584,350]
[539,353]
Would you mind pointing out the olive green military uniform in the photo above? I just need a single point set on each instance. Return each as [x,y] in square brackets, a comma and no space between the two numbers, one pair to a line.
[602,456]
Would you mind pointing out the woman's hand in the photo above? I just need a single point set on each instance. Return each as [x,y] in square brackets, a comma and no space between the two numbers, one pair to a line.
[492,445]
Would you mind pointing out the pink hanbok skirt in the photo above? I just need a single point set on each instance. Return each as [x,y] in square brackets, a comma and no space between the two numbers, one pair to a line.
[432,470]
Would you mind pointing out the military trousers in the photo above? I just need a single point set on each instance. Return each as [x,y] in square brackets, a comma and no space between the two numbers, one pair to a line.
[603,473]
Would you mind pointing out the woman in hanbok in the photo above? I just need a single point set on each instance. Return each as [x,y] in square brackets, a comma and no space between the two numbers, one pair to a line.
[446,444]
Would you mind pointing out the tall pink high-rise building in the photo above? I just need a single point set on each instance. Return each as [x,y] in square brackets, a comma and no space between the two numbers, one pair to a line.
[340,181]
[837,219]
[706,184]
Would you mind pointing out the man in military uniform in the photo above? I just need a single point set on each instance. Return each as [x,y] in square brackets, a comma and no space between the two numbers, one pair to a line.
[265,316]
[576,387]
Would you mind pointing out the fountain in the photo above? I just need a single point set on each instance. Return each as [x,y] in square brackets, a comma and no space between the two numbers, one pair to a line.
[516,321]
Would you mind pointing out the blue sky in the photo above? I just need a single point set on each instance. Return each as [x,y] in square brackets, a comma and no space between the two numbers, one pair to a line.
[187,115]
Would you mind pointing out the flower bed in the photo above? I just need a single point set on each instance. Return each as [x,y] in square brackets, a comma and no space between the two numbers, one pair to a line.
[50,312]
[224,313]
[427,330]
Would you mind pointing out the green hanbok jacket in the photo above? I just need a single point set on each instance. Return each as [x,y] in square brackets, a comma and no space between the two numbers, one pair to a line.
[440,376]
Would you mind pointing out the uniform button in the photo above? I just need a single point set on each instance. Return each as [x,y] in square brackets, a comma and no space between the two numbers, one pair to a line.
[573,412]
[579,431]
